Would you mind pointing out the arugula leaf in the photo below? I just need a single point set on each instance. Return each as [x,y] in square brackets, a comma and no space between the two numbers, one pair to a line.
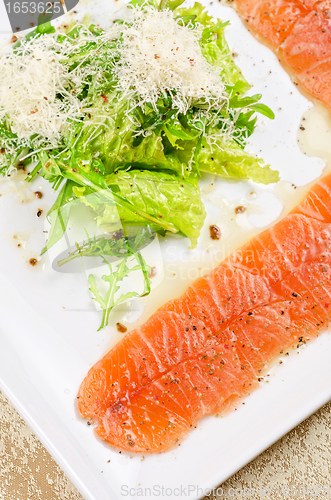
[252,103]
[44,27]
[117,275]
[176,129]
[34,172]
[242,102]
[245,123]
[125,246]
[59,215]
[263,110]
[125,242]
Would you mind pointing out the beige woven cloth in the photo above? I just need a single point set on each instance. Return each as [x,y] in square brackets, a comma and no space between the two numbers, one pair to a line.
[302,457]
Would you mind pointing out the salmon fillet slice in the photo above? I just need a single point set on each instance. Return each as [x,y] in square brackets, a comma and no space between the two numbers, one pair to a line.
[300,32]
[272,19]
[308,52]
[199,354]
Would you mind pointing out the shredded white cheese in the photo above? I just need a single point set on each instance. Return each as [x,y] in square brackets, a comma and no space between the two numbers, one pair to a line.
[159,54]
[31,82]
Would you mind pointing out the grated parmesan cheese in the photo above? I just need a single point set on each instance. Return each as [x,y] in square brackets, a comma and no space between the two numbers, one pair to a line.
[31,81]
[159,54]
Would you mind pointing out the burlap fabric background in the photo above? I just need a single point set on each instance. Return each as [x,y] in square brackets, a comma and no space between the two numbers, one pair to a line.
[303,457]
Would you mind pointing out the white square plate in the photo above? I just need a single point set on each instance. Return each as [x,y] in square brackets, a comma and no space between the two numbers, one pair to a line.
[48,329]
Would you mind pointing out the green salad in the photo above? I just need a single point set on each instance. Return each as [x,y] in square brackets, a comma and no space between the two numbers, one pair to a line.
[126,121]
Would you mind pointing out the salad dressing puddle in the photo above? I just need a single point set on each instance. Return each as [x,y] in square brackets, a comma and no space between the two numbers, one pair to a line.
[16,184]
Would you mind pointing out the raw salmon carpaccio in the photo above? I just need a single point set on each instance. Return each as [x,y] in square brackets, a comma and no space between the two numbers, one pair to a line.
[199,354]
[300,33]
